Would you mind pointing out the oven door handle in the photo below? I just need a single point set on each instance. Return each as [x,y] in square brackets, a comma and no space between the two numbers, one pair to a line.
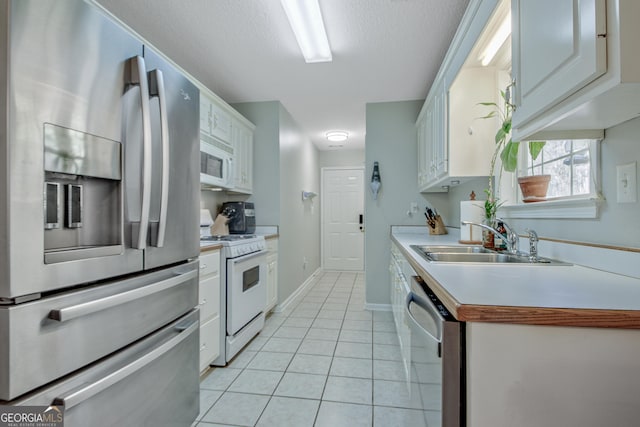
[248,257]
[433,330]
[87,391]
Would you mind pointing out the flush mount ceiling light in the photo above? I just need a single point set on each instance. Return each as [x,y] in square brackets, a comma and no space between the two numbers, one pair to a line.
[496,42]
[337,136]
[306,21]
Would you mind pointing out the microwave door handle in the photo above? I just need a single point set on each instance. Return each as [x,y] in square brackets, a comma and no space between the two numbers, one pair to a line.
[230,174]
[138,77]
[156,88]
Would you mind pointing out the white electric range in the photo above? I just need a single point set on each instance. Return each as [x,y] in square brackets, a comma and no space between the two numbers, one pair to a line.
[243,270]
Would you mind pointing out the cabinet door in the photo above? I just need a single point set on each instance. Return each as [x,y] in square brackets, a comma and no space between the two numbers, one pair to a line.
[558,47]
[209,342]
[272,282]
[422,168]
[440,142]
[243,149]
[220,124]
[205,115]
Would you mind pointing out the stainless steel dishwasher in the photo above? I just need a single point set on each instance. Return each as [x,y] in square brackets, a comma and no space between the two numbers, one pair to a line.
[437,363]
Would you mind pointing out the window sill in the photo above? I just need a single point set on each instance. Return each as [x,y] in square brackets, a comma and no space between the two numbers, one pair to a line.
[562,208]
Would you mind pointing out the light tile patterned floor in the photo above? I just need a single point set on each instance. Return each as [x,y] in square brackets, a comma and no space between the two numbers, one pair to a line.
[324,362]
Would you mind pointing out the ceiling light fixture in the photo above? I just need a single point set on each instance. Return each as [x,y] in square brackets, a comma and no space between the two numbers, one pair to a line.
[337,136]
[306,21]
[496,42]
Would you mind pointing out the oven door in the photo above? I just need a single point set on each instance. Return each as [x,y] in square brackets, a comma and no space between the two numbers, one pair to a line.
[246,289]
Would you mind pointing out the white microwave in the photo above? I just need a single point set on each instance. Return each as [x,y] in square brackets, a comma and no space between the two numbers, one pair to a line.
[216,165]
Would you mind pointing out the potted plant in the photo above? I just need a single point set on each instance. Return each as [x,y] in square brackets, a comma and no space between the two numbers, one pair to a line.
[534,188]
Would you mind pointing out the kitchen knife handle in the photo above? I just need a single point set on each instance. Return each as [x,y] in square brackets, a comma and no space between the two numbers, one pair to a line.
[85,391]
[156,88]
[138,77]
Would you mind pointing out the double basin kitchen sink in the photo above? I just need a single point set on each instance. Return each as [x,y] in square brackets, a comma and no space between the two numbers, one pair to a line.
[477,254]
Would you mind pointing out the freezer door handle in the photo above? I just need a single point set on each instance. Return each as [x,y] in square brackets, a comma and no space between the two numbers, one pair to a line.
[81,394]
[156,89]
[138,77]
[68,313]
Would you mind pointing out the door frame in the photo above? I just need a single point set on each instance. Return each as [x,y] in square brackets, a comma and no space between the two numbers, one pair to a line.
[322,197]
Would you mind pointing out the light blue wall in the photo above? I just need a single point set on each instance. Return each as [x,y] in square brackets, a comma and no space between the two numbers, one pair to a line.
[391,140]
[266,159]
[285,163]
[299,253]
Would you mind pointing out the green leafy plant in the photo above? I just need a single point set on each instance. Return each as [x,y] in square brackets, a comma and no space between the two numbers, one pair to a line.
[491,206]
[506,148]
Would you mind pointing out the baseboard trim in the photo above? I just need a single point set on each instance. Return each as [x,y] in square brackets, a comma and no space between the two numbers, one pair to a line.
[297,293]
[377,307]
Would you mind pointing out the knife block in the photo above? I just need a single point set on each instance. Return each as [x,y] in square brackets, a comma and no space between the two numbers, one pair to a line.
[220,226]
[439,228]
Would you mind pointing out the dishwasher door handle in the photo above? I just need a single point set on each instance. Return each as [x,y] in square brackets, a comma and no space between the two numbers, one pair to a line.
[432,330]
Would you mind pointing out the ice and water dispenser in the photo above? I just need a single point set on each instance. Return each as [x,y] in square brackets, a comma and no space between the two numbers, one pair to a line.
[82,195]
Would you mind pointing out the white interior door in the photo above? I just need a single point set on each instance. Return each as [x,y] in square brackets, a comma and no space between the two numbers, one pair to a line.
[342,219]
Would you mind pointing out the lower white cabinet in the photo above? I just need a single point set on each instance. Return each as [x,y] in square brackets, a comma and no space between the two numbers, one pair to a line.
[400,273]
[272,274]
[209,305]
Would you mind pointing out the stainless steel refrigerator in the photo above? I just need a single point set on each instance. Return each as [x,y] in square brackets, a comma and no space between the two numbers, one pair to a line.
[99,202]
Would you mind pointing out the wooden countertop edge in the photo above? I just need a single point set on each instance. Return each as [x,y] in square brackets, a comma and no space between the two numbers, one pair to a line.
[271,236]
[211,247]
[548,316]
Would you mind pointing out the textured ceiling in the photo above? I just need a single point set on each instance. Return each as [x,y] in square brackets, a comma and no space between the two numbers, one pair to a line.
[245,51]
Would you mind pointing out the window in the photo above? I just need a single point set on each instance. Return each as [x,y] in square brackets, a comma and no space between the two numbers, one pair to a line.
[571,164]
[574,187]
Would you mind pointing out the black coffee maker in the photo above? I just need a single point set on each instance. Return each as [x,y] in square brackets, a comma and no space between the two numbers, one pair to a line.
[244,218]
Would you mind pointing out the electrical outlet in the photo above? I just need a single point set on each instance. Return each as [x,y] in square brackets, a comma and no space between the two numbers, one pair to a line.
[304,263]
[414,207]
[626,183]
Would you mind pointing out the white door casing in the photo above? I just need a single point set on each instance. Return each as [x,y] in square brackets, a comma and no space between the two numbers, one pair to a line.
[342,206]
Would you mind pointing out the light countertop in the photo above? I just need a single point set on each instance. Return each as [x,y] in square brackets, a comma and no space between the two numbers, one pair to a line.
[570,295]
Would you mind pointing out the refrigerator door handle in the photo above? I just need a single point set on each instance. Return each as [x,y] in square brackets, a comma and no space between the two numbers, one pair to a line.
[138,77]
[67,313]
[81,394]
[156,88]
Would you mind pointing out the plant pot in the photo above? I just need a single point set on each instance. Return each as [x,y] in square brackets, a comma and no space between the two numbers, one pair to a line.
[534,188]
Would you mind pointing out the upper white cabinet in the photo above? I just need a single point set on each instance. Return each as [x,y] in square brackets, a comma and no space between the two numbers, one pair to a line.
[454,144]
[227,129]
[576,66]
[242,138]
[433,161]
[214,120]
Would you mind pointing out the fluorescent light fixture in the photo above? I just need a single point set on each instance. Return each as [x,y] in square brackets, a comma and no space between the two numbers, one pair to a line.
[337,136]
[306,21]
[496,42]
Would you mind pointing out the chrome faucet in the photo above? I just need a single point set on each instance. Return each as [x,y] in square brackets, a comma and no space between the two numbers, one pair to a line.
[512,239]
[533,245]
